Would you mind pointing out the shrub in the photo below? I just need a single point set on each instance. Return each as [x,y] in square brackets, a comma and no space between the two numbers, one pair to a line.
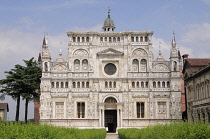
[178,130]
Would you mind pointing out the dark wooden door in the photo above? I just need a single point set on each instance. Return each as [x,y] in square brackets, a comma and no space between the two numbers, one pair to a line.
[111,120]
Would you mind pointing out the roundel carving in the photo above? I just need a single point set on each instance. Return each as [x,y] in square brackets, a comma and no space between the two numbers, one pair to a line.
[139,52]
[80,53]
[160,67]
[110,69]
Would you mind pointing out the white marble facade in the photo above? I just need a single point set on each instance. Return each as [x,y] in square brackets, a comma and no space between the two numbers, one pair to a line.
[110,79]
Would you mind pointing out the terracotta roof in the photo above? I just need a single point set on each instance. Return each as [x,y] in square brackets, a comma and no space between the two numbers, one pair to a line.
[198,61]
[4,106]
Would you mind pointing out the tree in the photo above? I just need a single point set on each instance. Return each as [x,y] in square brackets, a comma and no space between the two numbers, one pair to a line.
[13,85]
[32,75]
[22,81]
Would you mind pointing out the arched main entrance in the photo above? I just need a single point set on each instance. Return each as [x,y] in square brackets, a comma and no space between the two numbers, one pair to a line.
[110,114]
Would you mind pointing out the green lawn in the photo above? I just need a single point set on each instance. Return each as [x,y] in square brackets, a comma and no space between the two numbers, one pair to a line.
[14,130]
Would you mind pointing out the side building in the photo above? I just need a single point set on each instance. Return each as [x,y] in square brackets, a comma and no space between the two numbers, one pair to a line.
[196,73]
[110,79]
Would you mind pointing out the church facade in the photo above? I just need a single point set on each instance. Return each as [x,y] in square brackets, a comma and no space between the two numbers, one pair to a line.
[110,79]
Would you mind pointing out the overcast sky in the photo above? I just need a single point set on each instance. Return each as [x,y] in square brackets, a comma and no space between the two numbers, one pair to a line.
[23,23]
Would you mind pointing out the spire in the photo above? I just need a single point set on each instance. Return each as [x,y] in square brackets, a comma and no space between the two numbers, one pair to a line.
[45,43]
[160,53]
[173,43]
[39,58]
[60,54]
[109,12]
[160,57]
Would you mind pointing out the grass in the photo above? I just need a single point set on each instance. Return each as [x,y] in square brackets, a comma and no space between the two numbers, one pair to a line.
[18,130]
[178,130]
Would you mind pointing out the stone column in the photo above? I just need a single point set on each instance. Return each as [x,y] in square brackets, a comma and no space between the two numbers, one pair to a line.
[102,118]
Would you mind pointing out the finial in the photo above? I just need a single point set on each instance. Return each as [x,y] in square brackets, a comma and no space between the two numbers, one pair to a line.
[60,54]
[109,11]
[159,49]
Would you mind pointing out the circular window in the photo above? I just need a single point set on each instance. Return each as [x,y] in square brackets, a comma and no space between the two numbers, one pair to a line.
[110,69]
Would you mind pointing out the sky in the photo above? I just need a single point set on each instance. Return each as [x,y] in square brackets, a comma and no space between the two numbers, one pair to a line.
[23,24]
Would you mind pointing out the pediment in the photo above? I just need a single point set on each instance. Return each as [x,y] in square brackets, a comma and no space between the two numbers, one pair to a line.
[110,51]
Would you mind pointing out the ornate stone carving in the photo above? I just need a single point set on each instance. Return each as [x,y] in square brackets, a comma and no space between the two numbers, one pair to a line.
[160,67]
[80,53]
[139,52]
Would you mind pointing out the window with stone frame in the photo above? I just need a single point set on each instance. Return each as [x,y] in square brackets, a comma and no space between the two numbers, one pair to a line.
[80,109]
[135,65]
[140,109]
[162,110]
[143,65]
[59,110]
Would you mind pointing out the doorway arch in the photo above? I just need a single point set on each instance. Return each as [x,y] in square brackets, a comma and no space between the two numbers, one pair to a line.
[110,114]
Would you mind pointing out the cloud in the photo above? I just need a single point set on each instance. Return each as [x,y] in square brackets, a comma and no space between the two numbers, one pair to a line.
[197,32]
[196,37]
[165,48]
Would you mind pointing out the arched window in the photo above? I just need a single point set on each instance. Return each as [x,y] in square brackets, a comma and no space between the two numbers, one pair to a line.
[175,65]
[83,84]
[52,85]
[76,65]
[83,39]
[46,66]
[85,65]
[87,85]
[106,84]
[137,84]
[78,84]
[141,39]
[110,39]
[137,39]
[105,39]
[168,84]
[78,39]
[74,39]
[132,39]
[74,85]
[114,39]
[57,84]
[146,39]
[66,85]
[114,85]
[136,65]
[163,84]
[62,85]
[143,65]
[146,84]
[142,84]
[110,84]
[158,84]
[101,39]
[87,39]
[133,84]
[154,84]
[118,39]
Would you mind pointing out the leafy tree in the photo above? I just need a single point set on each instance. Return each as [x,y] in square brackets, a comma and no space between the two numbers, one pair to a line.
[32,75]
[22,81]
[13,85]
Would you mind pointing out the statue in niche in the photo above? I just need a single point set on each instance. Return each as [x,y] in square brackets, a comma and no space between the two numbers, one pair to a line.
[45,66]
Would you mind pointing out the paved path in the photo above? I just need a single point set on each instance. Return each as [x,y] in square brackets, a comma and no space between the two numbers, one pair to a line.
[111,136]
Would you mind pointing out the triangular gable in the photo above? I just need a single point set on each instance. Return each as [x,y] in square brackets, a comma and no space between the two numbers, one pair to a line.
[110,51]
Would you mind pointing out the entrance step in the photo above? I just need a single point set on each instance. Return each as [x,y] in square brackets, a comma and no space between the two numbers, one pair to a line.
[112,136]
